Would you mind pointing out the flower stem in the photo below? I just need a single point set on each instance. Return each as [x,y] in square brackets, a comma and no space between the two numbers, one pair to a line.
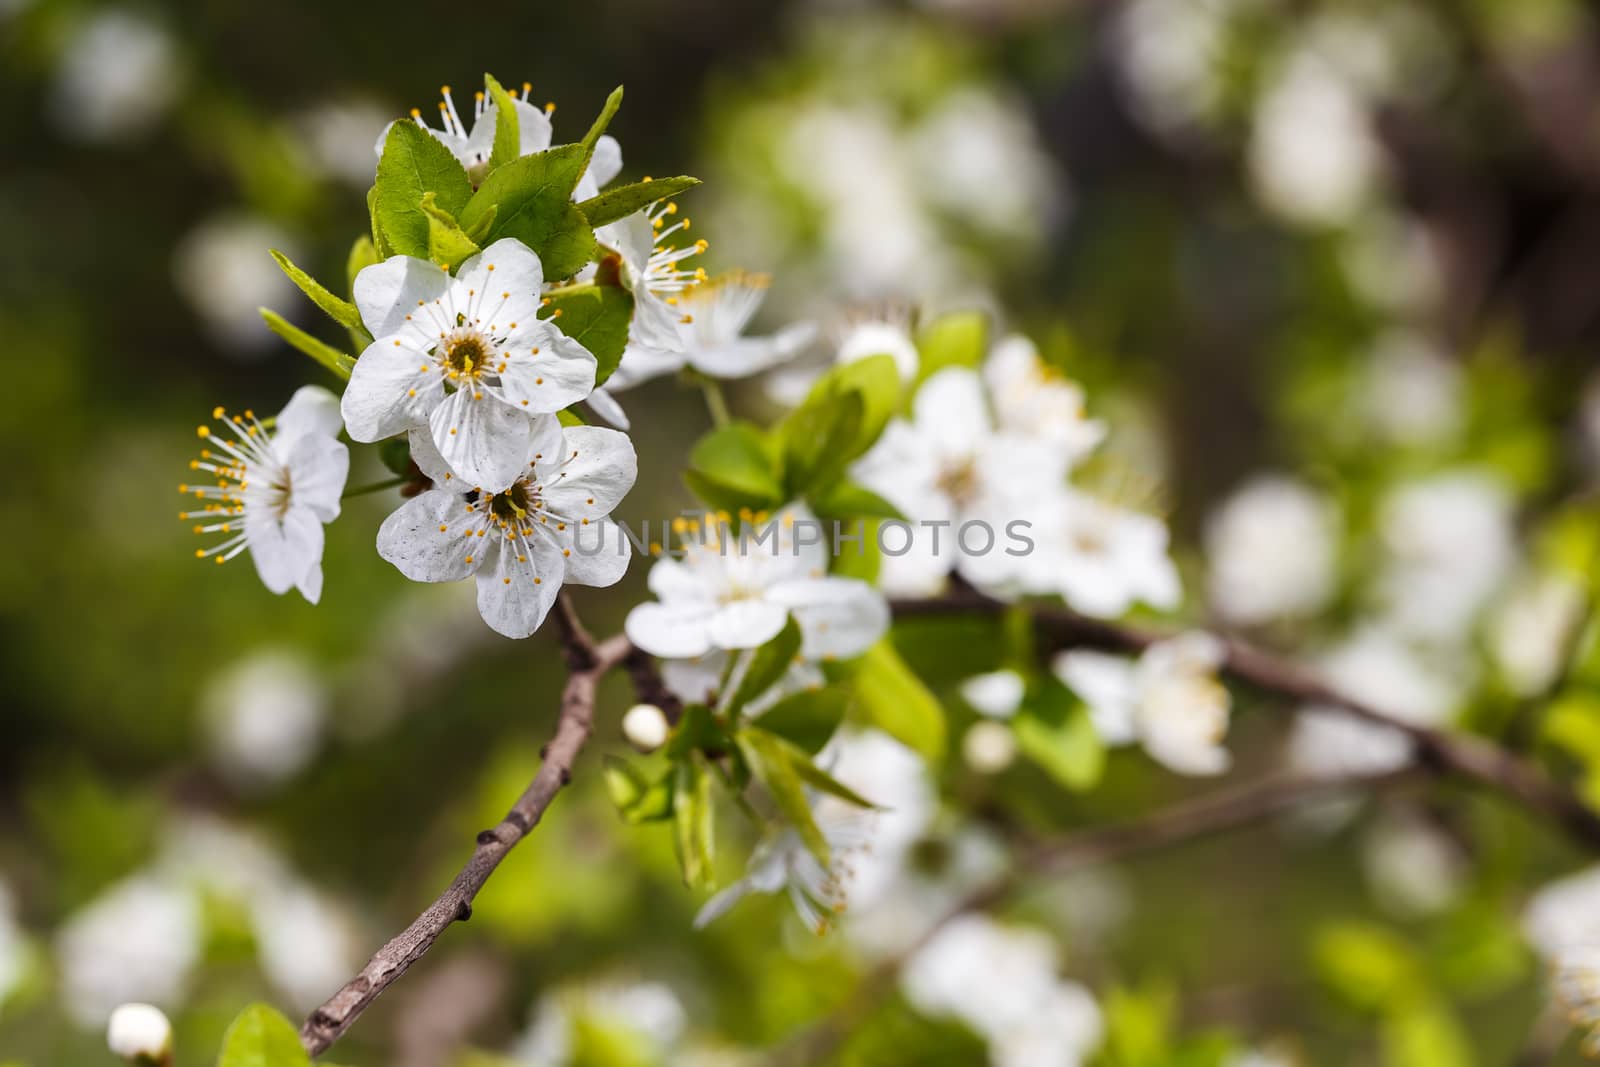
[375,487]
[716,403]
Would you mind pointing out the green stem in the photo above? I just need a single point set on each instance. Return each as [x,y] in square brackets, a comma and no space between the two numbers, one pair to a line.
[716,403]
[375,487]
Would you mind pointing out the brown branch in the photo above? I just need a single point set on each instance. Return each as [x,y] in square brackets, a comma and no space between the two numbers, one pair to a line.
[1188,821]
[1462,755]
[588,662]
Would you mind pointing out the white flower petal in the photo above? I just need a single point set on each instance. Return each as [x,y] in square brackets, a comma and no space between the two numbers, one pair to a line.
[516,590]
[839,617]
[640,363]
[600,554]
[1108,684]
[603,404]
[501,285]
[412,539]
[670,630]
[951,405]
[392,388]
[312,410]
[560,374]
[317,467]
[746,623]
[485,442]
[284,550]
[385,293]
[592,473]
[533,127]
[694,680]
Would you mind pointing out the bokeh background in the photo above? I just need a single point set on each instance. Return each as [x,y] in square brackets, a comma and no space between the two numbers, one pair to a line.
[1334,261]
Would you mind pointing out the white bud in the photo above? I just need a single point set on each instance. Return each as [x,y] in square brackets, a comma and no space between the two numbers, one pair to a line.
[141,1034]
[989,747]
[646,727]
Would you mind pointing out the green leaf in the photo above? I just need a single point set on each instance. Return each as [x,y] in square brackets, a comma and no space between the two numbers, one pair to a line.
[568,417]
[694,821]
[507,132]
[878,382]
[736,462]
[1424,1033]
[624,200]
[861,559]
[412,164]
[339,310]
[479,231]
[891,697]
[1366,964]
[816,440]
[807,719]
[380,240]
[261,1037]
[819,779]
[638,799]
[957,339]
[448,245]
[363,254]
[595,316]
[607,113]
[770,762]
[532,200]
[1054,730]
[325,354]
[766,665]
[847,500]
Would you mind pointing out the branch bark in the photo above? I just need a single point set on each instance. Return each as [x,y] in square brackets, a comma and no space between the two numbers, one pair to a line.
[588,662]
[1462,755]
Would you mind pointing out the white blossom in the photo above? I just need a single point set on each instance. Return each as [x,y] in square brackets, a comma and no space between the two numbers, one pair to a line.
[1169,700]
[473,145]
[138,940]
[1577,985]
[1564,915]
[1032,398]
[14,954]
[119,73]
[880,330]
[652,270]
[274,489]
[1002,982]
[264,717]
[1272,551]
[988,747]
[221,269]
[1102,558]
[646,727]
[1413,391]
[948,464]
[305,943]
[649,1011]
[465,358]
[1450,543]
[997,694]
[140,1034]
[710,339]
[1531,630]
[736,591]
[549,524]
[1415,868]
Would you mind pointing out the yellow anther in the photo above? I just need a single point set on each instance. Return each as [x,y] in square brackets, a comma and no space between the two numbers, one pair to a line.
[217,412]
[202,431]
[416,112]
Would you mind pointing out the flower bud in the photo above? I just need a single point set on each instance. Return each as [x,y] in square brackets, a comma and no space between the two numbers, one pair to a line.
[646,727]
[140,1034]
[989,747]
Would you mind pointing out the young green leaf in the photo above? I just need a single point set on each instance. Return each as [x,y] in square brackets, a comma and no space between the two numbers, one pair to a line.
[877,382]
[821,780]
[956,339]
[478,232]
[532,200]
[597,317]
[847,500]
[769,762]
[325,354]
[891,697]
[261,1037]
[414,163]
[507,134]
[447,244]
[807,719]
[638,799]
[1054,730]
[380,241]
[609,111]
[363,254]
[765,665]
[395,455]
[816,440]
[694,819]
[737,459]
[338,309]
[624,200]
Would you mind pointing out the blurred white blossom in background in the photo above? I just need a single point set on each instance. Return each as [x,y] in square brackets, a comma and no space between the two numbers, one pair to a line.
[1272,551]
[138,941]
[648,1012]
[264,717]
[337,137]
[1413,866]
[1413,390]
[222,269]
[116,77]
[14,954]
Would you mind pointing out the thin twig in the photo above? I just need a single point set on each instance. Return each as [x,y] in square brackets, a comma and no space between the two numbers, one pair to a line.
[1184,822]
[1462,755]
[588,661]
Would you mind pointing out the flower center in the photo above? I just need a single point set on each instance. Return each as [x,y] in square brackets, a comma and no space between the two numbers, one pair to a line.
[466,354]
[958,480]
[513,504]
